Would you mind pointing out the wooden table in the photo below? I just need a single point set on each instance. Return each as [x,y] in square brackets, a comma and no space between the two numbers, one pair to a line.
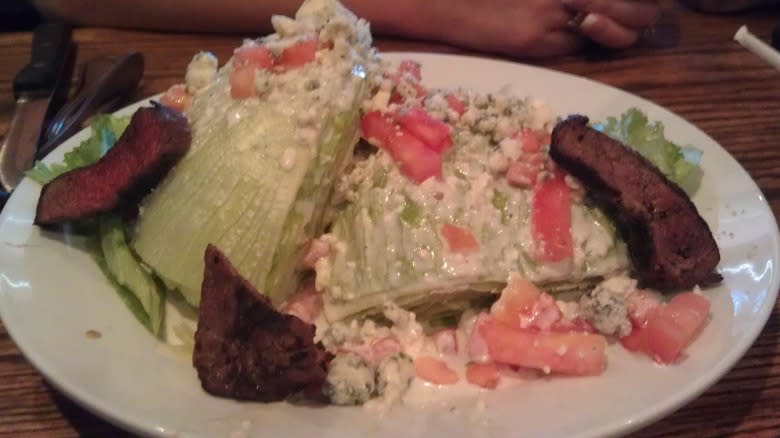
[690,65]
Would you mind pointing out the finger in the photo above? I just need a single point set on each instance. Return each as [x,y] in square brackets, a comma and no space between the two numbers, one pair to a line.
[629,13]
[607,32]
[555,44]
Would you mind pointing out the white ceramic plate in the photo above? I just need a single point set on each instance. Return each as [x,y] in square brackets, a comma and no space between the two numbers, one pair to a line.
[51,293]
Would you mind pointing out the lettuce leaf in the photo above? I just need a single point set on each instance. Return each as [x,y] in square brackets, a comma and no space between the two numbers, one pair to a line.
[105,131]
[141,291]
[679,164]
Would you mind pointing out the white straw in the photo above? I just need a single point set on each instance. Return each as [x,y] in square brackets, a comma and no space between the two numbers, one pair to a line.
[758,47]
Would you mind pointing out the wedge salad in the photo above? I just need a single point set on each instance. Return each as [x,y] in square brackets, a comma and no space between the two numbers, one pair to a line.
[426,233]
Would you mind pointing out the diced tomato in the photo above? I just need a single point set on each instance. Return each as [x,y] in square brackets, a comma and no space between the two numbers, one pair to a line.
[476,347]
[259,57]
[417,161]
[306,303]
[544,314]
[670,328]
[517,372]
[566,353]
[434,371]
[446,341]
[299,54]
[459,240]
[176,97]
[434,133]
[455,104]
[242,82]
[483,374]
[384,347]
[551,220]
[377,128]
[516,300]
[529,143]
[525,171]
[419,92]
[522,174]
[411,68]
[640,303]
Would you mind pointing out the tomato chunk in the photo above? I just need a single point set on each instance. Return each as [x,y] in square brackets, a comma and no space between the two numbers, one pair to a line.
[411,68]
[529,143]
[299,54]
[434,371]
[434,133]
[485,375]
[551,220]
[242,82]
[176,97]
[377,128]
[516,300]
[259,57]
[417,161]
[459,240]
[522,305]
[566,353]
[670,328]
[455,104]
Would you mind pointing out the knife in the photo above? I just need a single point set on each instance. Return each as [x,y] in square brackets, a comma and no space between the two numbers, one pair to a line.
[33,86]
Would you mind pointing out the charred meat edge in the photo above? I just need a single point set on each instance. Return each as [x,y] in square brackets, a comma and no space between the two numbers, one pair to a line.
[669,243]
[156,138]
[246,349]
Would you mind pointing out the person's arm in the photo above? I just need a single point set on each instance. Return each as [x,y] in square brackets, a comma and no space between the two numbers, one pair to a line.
[529,28]
[722,6]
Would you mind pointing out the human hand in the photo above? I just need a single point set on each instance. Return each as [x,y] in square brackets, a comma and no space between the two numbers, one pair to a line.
[527,28]
[614,23]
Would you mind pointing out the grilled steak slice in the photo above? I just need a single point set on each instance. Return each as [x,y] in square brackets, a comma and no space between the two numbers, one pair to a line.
[246,349]
[152,143]
[669,243]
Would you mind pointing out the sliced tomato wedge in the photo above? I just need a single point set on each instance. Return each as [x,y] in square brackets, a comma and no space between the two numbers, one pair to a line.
[299,54]
[459,240]
[485,375]
[176,97]
[455,104]
[435,371]
[417,161]
[669,328]
[566,353]
[551,220]
[434,133]
[377,128]
[259,57]
[242,82]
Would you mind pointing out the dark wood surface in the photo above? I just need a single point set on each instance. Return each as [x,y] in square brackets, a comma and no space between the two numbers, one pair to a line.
[689,64]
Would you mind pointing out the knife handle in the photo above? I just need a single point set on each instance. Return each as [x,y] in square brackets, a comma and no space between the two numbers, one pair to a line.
[39,77]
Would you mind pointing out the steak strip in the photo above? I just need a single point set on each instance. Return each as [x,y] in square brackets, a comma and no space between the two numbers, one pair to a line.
[244,348]
[153,142]
[670,245]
